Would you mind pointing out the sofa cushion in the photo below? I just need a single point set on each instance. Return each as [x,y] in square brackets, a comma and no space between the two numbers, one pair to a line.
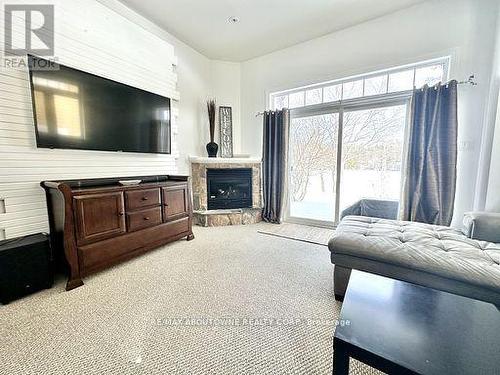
[383,209]
[483,226]
[424,248]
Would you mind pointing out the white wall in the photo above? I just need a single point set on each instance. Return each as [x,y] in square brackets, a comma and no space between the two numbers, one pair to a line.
[193,72]
[105,38]
[493,196]
[226,88]
[491,177]
[463,29]
[193,84]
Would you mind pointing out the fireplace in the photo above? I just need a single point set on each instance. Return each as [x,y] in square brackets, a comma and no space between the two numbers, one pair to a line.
[229,188]
[239,186]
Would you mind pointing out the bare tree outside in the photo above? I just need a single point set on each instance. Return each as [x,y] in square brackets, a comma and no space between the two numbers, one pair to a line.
[313,143]
[371,146]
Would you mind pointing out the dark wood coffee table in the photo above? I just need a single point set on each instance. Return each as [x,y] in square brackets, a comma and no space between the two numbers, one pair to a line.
[402,328]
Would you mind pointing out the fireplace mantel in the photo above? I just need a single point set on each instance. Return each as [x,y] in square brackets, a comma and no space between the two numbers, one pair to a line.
[205,160]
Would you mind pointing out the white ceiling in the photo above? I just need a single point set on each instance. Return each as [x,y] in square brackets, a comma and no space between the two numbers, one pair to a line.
[265,25]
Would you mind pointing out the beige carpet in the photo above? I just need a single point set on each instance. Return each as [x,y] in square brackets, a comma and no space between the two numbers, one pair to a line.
[298,232]
[232,301]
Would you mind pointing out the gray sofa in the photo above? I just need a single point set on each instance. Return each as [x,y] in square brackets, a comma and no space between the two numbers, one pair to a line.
[381,208]
[463,261]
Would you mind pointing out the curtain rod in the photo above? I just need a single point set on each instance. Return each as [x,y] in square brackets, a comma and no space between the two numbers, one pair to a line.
[469,81]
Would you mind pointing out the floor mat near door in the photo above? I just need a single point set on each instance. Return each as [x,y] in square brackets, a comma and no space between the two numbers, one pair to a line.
[299,232]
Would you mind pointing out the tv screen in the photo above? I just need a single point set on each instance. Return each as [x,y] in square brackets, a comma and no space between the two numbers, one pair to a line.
[78,110]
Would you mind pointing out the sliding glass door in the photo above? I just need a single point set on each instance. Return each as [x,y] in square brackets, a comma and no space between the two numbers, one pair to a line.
[339,154]
[372,149]
[313,153]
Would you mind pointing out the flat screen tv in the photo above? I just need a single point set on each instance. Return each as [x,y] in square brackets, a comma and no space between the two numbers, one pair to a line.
[79,110]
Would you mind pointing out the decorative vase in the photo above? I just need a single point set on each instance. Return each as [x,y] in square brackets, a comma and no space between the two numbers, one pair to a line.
[212,149]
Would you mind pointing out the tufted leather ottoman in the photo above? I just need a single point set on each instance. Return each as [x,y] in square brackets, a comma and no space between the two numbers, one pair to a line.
[434,256]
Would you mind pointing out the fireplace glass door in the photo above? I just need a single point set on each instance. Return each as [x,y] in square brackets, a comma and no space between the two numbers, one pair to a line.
[229,188]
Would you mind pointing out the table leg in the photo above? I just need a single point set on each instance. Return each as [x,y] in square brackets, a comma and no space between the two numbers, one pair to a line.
[340,359]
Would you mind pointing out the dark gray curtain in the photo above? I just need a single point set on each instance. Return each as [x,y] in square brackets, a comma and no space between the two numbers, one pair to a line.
[431,162]
[274,157]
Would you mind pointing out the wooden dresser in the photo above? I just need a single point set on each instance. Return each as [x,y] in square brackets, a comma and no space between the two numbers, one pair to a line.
[95,223]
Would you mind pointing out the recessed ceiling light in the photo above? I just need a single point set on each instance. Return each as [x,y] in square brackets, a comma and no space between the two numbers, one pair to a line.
[233,19]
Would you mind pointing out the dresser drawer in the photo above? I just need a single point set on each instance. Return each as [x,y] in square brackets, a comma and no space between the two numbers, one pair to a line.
[138,199]
[143,219]
[99,255]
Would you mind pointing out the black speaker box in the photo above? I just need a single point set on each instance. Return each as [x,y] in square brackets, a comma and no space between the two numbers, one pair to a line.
[25,266]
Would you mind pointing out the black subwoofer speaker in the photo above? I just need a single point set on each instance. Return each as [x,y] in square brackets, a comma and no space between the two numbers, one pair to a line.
[25,266]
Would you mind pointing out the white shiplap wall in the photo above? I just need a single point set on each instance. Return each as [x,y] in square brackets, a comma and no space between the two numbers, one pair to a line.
[93,38]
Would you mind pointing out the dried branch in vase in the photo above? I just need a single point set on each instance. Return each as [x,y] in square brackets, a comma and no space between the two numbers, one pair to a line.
[212,147]
[211,107]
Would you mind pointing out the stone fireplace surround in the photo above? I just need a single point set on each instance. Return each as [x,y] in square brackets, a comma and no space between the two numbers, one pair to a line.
[205,217]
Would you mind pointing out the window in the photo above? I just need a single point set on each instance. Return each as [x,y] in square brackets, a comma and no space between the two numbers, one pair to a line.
[296,99]
[321,186]
[376,85]
[313,96]
[332,93]
[372,148]
[401,81]
[390,81]
[352,89]
[313,160]
[281,101]
[346,139]
[429,75]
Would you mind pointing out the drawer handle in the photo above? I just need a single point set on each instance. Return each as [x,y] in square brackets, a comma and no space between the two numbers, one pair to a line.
[144,198]
[146,218]
[166,204]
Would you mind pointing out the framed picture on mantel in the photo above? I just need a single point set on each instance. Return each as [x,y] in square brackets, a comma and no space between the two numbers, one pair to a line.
[226,131]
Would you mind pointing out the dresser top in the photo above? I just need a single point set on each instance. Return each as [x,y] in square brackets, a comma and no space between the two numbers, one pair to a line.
[112,183]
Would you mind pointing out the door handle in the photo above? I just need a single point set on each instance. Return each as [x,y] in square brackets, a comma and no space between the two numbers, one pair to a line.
[121,213]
